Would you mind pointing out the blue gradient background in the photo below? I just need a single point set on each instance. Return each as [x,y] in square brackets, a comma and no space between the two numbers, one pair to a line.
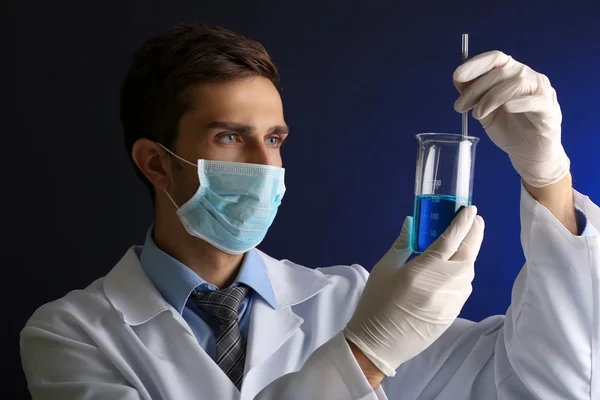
[360,79]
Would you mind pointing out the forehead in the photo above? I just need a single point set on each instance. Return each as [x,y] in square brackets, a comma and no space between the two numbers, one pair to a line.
[251,101]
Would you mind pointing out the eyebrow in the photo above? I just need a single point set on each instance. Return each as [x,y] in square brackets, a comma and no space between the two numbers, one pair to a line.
[246,129]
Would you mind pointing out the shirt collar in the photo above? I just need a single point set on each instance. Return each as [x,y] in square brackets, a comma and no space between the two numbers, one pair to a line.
[176,282]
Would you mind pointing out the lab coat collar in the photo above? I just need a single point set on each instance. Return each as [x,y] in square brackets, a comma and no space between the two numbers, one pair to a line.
[133,295]
[131,292]
[292,284]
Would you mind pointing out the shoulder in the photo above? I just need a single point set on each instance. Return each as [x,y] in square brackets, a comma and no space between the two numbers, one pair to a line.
[68,313]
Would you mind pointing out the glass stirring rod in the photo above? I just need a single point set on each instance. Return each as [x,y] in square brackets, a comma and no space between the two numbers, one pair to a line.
[465,57]
[465,165]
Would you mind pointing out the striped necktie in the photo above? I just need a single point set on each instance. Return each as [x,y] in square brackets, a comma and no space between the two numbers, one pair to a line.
[223,305]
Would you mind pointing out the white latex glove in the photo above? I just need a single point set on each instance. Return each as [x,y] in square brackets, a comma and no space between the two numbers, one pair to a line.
[404,309]
[519,111]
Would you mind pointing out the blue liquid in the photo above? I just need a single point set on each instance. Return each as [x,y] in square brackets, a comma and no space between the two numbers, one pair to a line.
[433,214]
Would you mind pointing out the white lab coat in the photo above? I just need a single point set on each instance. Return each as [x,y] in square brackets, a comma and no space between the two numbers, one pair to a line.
[119,339]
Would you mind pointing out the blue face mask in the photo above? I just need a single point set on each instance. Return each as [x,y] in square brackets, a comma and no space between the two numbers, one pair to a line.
[234,205]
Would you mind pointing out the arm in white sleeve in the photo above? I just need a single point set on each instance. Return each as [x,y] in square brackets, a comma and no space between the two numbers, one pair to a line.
[331,372]
[548,345]
[552,329]
[60,366]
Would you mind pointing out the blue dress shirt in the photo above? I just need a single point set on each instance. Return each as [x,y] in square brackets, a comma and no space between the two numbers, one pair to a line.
[176,282]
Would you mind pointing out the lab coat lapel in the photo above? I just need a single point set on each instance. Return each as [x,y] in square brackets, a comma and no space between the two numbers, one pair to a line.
[138,302]
[140,305]
[271,328]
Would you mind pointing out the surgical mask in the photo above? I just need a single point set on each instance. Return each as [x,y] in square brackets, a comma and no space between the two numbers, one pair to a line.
[234,205]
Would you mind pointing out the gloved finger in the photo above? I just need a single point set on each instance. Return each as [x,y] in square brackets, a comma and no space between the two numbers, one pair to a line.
[448,243]
[503,92]
[469,248]
[462,86]
[396,256]
[523,104]
[543,105]
[480,65]
[403,241]
[479,87]
[402,246]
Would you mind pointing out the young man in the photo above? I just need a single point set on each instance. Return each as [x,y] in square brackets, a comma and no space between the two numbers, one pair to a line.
[199,313]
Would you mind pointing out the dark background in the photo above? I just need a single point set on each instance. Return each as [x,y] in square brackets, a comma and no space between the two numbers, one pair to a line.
[360,78]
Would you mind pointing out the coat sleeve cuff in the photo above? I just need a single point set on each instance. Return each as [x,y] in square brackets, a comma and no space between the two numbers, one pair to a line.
[585,227]
[585,214]
[331,372]
[350,371]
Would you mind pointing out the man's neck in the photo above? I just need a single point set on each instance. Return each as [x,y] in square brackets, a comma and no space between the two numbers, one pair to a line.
[210,263]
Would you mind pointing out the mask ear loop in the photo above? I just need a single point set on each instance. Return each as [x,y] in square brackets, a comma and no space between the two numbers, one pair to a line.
[179,158]
[170,198]
[176,156]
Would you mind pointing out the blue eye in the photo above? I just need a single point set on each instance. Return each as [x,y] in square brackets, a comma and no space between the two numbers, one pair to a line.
[228,138]
[273,141]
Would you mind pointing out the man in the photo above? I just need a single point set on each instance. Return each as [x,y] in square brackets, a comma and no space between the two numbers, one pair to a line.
[198,312]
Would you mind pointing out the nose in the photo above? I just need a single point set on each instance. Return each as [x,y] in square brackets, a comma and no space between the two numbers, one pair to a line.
[259,153]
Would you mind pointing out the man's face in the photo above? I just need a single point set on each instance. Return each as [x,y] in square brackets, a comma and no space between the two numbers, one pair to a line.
[239,121]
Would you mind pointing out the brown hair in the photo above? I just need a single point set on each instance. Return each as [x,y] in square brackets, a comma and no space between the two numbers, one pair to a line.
[154,92]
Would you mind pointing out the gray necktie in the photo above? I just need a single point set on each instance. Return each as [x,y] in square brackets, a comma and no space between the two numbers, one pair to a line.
[223,305]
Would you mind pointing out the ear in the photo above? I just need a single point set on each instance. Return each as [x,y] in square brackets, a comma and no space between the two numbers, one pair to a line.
[151,159]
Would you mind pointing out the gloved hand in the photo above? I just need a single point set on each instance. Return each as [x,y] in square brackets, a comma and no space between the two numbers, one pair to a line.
[404,309]
[519,111]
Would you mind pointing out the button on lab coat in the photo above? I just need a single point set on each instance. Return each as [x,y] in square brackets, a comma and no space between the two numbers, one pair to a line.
[119,339]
